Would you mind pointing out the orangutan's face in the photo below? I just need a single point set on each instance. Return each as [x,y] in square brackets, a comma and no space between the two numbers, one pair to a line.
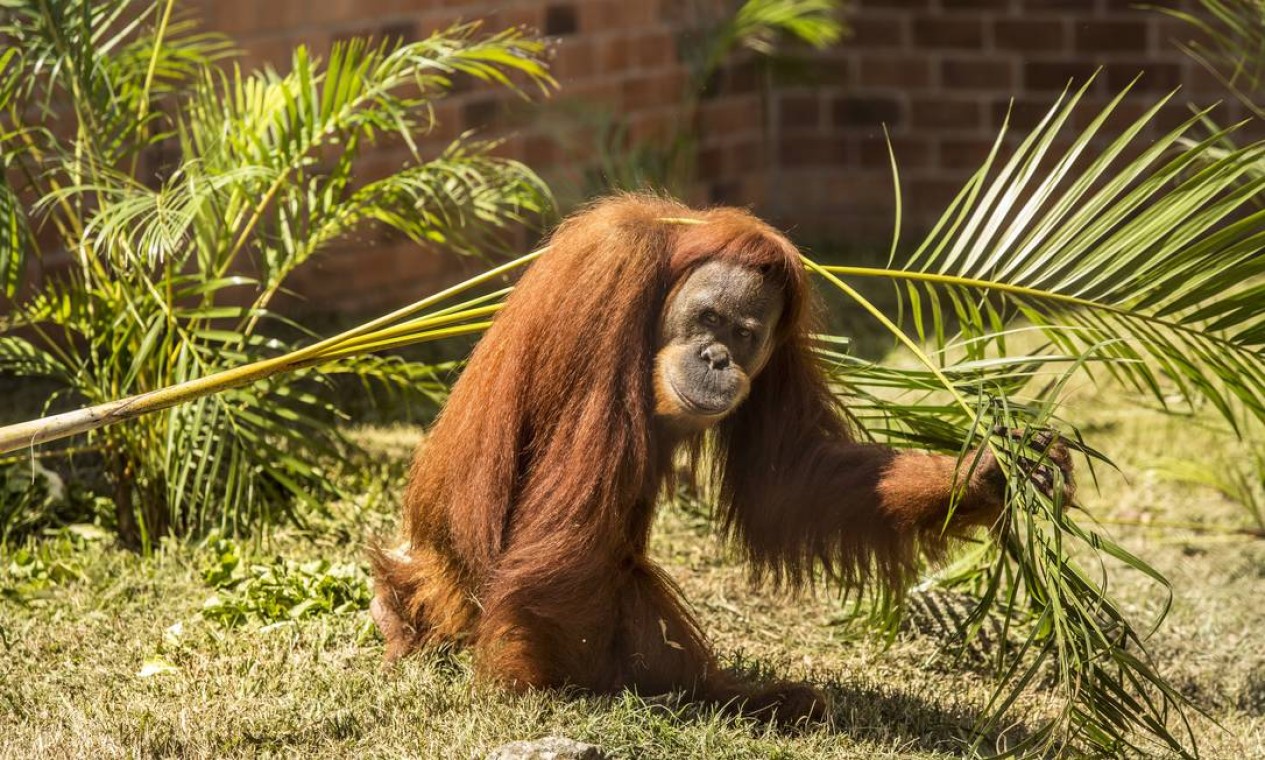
[717,334]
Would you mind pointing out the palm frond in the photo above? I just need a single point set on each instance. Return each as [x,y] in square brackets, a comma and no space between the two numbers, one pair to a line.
[760,25]
[1153,261]
[458,200]
[1231,44]
[14,237]
[1137,263]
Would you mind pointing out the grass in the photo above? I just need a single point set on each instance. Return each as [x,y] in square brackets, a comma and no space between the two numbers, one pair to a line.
[76,637]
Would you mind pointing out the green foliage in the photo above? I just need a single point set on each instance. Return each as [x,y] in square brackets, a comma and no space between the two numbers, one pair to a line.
[30,572]
[1230,44]
[34,498]
[1134,265]
[187,192]
[279,590]
[762,27]
[1241,484]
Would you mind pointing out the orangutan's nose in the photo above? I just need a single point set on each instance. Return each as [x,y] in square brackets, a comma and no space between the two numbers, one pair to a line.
[716,355]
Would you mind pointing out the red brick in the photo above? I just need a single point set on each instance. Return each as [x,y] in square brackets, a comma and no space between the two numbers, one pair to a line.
[1055,75]
[983,74]
[615,55]
[647,128]
[1110,36]
[904,72]
[642,13]
[747,157]
[600,15]
[652,90]
[931,195]
[833,69]
[725,193]
[731,116]
[402,31]
[1083,6]
[812,150]
[521,17]
[236,16]
[276,52]
[574,59]
[1200,80]
[877,32]
[745,76]
[561,19]
[1027,36]
[653,51]
[326,12]
[433,23]
[902,4]
[540,150]
[481,113]
[953,33]
[936,114]
[281,15]
[1156,77]
[834,160]
[1124,114]
[603,90]
[975,6]
[1025,113]
[911,153]
[711,163]
[867,111]
[959,153]
[800,110]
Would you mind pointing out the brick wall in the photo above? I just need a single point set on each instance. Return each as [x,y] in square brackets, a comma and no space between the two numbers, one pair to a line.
[939,73]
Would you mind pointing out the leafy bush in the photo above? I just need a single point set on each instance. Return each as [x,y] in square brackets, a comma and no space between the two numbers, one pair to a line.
[280,589]
[28,573]
[185,194]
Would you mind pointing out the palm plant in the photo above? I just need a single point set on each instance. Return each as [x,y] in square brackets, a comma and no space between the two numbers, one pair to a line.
[1143,271]
[173,272]
[1229,44]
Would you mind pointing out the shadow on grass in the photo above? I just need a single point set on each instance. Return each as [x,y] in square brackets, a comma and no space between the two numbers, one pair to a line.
[879,712]
[882,713]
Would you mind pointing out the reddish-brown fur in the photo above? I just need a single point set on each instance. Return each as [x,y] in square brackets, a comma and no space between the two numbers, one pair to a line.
[529,506]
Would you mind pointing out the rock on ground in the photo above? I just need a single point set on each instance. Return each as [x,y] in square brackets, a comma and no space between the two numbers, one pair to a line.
[548,748]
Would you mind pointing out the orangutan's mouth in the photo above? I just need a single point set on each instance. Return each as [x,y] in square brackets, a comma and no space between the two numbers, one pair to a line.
[696,407]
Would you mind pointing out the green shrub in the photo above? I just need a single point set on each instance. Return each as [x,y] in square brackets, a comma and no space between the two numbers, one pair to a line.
[186,192]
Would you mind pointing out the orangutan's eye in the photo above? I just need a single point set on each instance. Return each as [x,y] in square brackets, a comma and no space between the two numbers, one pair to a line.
[744,333]
[709,317]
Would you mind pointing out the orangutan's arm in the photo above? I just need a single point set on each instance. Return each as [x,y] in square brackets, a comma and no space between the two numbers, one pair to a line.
[865,510]
[912,491]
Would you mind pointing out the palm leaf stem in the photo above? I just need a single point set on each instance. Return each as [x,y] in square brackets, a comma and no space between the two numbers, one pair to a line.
[376,335]
[1022,291]
[829,274]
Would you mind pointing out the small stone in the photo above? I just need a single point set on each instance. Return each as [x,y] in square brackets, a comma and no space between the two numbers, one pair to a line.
[548,748]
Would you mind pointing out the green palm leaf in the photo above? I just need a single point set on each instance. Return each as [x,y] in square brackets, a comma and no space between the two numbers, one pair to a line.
[1153,261]
[1139,264]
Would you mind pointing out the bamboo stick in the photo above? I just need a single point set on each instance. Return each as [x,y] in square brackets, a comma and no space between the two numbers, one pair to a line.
[376,335]
[66,424]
